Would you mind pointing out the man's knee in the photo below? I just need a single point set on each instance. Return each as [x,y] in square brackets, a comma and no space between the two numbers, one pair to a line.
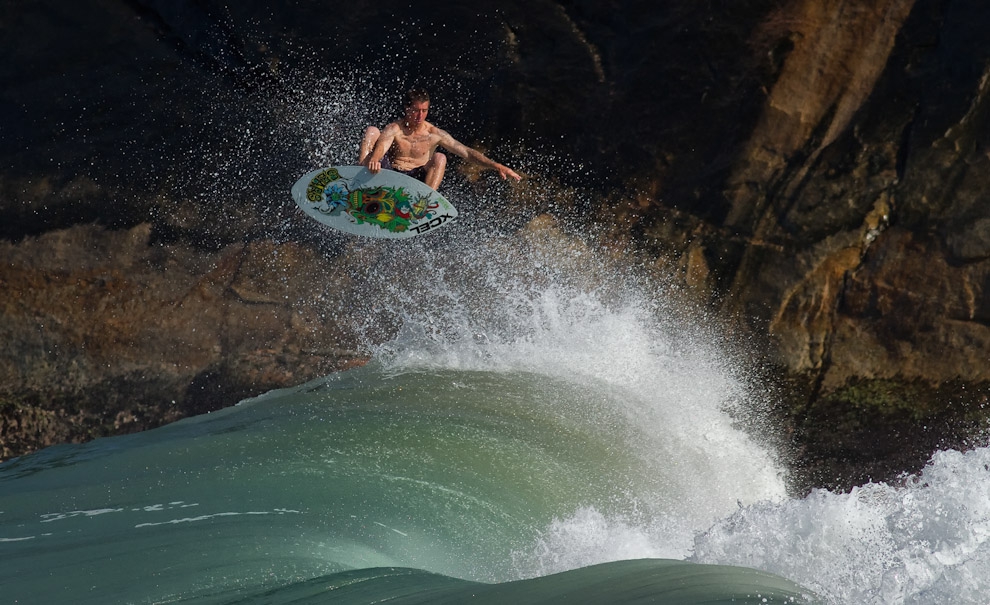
[372,132]
[439,160]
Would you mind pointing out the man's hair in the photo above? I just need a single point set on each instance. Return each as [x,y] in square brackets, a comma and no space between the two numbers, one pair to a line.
[415,95]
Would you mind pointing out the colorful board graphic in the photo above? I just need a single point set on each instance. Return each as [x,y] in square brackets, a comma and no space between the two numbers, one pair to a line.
[385,205]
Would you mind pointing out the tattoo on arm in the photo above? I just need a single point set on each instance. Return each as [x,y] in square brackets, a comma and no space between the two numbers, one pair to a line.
[450,143]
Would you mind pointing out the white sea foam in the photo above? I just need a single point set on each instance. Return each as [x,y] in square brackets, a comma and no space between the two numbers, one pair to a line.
[509,307]
[278,511]
[720,497]
[927,541]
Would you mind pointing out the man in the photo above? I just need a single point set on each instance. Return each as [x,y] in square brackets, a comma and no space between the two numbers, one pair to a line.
[409,145]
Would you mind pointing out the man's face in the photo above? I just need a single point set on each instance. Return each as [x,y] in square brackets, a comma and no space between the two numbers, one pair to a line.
[416,113]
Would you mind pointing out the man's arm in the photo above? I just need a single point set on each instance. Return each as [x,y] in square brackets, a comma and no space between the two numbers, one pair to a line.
[382,145]
[473,155]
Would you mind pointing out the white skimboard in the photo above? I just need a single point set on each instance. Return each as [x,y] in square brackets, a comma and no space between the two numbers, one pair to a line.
[384,205]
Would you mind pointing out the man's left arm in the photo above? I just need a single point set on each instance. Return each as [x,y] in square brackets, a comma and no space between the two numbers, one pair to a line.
[473,155]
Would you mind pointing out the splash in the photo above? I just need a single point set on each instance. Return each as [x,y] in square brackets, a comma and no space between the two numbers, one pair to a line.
[545,302]
[926,541]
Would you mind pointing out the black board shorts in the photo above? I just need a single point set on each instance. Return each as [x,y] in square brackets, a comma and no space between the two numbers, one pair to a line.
[418,173]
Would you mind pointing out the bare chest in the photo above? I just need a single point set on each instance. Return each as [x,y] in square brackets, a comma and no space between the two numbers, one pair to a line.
[416,144]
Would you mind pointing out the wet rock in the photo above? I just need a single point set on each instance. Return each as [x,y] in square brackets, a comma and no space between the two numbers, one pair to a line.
[108,332]
[812,171]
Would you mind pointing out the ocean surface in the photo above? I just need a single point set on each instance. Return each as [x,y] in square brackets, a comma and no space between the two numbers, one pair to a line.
[538,423]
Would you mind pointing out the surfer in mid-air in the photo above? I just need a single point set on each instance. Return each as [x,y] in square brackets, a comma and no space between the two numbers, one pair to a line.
[409,145]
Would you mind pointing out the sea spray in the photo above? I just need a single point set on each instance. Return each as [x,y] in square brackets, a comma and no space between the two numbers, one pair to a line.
[544,303]
[926,540]
[708,493]
[704,490]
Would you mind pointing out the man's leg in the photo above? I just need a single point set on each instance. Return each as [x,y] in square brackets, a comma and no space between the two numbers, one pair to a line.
[368,144]
[435,169]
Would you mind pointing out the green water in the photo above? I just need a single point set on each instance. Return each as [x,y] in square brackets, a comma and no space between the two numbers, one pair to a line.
[451,472]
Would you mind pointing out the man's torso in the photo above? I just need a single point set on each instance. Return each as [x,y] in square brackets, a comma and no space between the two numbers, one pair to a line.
[414,149]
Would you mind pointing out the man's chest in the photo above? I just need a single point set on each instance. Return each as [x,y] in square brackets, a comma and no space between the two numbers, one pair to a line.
[416,143]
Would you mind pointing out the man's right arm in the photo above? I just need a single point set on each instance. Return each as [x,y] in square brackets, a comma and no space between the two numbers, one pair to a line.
[382,146]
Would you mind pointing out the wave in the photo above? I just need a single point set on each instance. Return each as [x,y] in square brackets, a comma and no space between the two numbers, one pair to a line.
[643,581]
[451,472]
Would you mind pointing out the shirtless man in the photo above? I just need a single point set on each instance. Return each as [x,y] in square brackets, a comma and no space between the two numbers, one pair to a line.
[409,145]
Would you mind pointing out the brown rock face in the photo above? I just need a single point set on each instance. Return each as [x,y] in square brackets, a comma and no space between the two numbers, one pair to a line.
[846,265]
[109,332]
[863,255]
[837,51]
[886,328]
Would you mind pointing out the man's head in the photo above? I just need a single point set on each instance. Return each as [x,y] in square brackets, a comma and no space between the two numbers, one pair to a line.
[416,105]
[415,95]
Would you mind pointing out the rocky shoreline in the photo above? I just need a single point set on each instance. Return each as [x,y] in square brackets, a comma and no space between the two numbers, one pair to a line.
[810,173]
[107,332]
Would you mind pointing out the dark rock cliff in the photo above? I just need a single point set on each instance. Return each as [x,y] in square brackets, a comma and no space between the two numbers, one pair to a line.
[811,169]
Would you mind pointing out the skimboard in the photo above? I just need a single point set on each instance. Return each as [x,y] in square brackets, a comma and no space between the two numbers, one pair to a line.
[385,205]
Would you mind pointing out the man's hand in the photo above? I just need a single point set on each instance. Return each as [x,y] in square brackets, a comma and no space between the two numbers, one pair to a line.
[374,166]
[505,172]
